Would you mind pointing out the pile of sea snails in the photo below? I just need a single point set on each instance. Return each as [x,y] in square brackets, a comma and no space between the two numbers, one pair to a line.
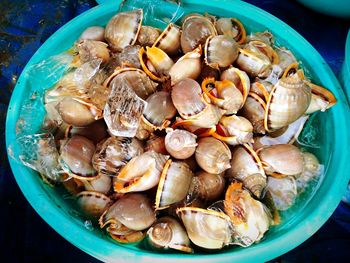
[183,138]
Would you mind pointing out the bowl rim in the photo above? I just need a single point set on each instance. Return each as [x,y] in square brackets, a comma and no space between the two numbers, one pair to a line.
[103,249]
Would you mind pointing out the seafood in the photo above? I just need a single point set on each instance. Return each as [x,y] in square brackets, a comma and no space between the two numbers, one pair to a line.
[192,107]
[147,35]
[220,51]
[156,63]
[140,173]
[158,113]
[77,112]
[234,130]
[188,66]
[229,97]
[246,167]
[76,157]
[231,27]
[122,30]
[281,159]
[212,155]
[133,211]
[92,49]
[283,191]
[93,203]
[180,144]
[167,233]
[195,31]
[157,144]
[101,184]
[173,184]
[251,218]
[186,137]
[93,33]
[207,186]
[206,228]
[311,172]
[254,110]
[169,40]
[288,101]
[114,152]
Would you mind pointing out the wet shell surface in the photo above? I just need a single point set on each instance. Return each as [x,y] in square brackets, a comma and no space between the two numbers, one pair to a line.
[132,210]
[147,35]
[173,184]
[206,228]
[208,186]
[180,144]
[141,173]
[283,191]
[285,159]
[93,203]
[169,40]
[288,101]
[195,31]
[212,155]
[220,51]
[122,30]
[76,157]
[251,218]
[246,167]
[167,233]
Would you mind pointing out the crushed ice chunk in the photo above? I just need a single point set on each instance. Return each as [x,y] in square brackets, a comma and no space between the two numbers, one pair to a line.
[87,71]
[123,109]
[39,152]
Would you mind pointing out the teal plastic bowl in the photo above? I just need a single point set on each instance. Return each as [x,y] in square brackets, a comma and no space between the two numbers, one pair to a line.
[345,71]
[338,8]
[308,214]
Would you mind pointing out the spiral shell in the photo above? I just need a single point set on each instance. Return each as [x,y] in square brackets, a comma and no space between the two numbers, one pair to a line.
[231,27]
[209,187]
[188,66]
[283,191]
[180,144]
[78,112]
[288,101]
[93,203]
[189,102]
[140,173]
[76,157]
[147,35]
[156,63]
[285,159]
[234,130]
[123,28]
[133,211]
[173,184]
[220,51]
[212,155]
[92,49]
[246,167]
[250,217]
[169,40]
[254,110]
[195,31]
[167,233]
[206,228]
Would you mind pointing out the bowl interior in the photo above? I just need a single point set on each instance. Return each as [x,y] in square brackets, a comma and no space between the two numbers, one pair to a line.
[320,137]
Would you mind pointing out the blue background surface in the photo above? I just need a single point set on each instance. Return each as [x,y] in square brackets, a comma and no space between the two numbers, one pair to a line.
[25,25]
